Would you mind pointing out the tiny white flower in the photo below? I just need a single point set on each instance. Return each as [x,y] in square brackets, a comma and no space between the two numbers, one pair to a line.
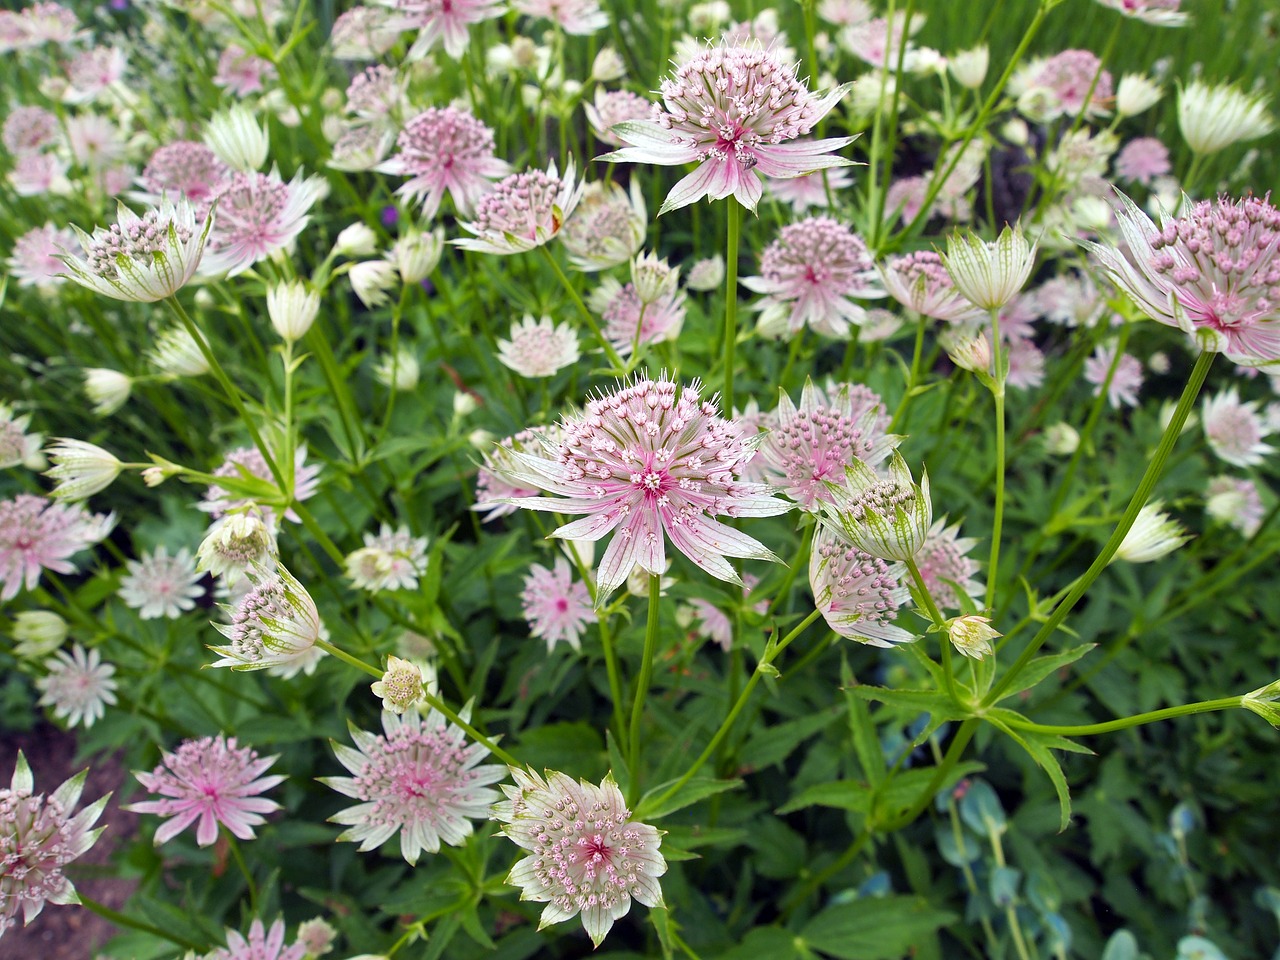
[969,67]
[1136,94]
[81,469]
[357,240]
[372,281]
[237,140]
[989,275]
[400,686]
[292,308]
[417,254]
[106,389]
[1154,534]
[972,635]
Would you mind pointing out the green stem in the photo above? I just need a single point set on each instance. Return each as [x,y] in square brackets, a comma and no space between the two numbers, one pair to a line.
[730,301]
[997,525]
[238,856]
[1140,496]
[348,659]
[939,621]
[609,352]
[1010,909]
[642,682]
[121,920]
[1124,723]
[914,377]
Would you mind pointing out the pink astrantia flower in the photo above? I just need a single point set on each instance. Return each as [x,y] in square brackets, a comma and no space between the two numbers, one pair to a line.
[37,173]
[184,167]
[1026,363]
[36,259]
[376,93]
[211,780]
[944,565]
[159,585]
[920,282]
[218,501]
[580,18]
[495,487]
[809,276]
[29,130]
[1236,502]
[38,838]
[628,322]
[78,686]
[859,595]
[441,20]
[1068,76]
[1159,13]
[258,214]
[609,108]
[1213,273]
[645,460]
[876,42]
[810,446]
[445,149]
[811,190]
[261,944]
[1234,430]
[1142,160]
[419,779]
[1125,382]
[275,624]
[539,348]
[523,211]
[241,73]
[364,33]
[714,624]
[586,855]
[37,534]
[391,559]
[92,72]
[732,110]
[556,606]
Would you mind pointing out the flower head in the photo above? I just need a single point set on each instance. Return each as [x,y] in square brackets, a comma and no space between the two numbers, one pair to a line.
[1122,390]
[292,307]
[1234,430]
[707,274]
[645,460]
[400,686]
[445,149]
[1213,118]
[39,836]
[261,944]
[237,140]
[920,282]
[524,211]
[142,258]
[972,635]
[38,534]
[389,560]
[106,389]
[495,487]
[29,130]
[1160,13]
[16,445]
[810,446]
[629,322]
[1067,77]
[586,856]
[187,168]
[1154,534]
[556,606]
[81,469]
[78,686]
[235,543]
[1235,502]
[732,109]
[577,17]
[859,595]
[810,276]
[608,228]
[211,780]
[36,260]
[539,348]
[37,633]
[441,20]
[258,214]
[611,107]
[887,518]
[1142,160]
[990,275]
[419,779]
[159,585]
[275,623]
[1213,273]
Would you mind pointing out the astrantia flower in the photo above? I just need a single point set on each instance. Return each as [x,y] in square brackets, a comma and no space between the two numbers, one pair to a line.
[78,686]
[37,633]
[580,18]
[16,445]
[1142,160]
[1234,430]
[1213,118]
[38,838]
[400,686]
[1235,502]
[732,110]
[611,107]
[920,282]
[586,855]
[646,462]
[317,936]
[389,560]
[377,92]
[495,487]
[441,20]
[539,348]
[29,130]
[811,190]
[419,779]
[523,211]
[261,944]
[706,274]
[275,623]
[1125,382]
[38,534]
[237,139]
[177,353]
[184,167]
[159,585]
[887,518]
[81,469]
[142,258]
[36,259]
[242,460]
[1154,534]
[363,33]
[809,276]
[1160,13]
[972,635]
[945,567]
[608,227]
[258,214]
[211,780]
[556,606]
[1069,75]
[445,149]
[811,446]
[1213,273]
[859,595]
[990,275]
[629,322]
[235,543]
[240,72]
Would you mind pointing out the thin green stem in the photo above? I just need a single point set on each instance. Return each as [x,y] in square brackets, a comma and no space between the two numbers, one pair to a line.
[734,213]
[594,327]
[238,856]
[939,621]
[997,524]
[914,377]
[1140,496]
[642,682]
[1124,723]
[122,920]
[1010,909]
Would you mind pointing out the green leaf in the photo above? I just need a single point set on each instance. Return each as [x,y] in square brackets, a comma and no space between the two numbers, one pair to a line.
[1041,667]
[772,942]
[866,745]
[856,795]
[884,928]
[773,744]
[692,792]
[937,705]
[1037,745]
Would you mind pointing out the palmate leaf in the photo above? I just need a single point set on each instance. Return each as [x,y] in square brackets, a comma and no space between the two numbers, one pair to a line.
[879,928]
[1039,745]
[1041,667]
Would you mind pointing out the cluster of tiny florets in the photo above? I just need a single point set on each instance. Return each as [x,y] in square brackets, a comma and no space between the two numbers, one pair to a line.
[143,239]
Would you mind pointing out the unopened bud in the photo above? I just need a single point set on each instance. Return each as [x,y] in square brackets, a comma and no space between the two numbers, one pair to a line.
[972,635]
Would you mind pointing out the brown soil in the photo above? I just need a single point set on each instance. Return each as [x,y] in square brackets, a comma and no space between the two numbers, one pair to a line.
[71,932]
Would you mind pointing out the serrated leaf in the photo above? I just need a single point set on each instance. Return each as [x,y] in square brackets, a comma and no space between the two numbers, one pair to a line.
[1037,746]
[1041,667]
[773,744]
[882,928]
[937,705]
[695,790]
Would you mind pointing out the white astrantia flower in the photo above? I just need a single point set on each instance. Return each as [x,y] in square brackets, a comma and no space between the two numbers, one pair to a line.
[972,635]
[607,228]
[969,67]
[886,518]
[106,389]
[1212,118]
[177,354]
[234,544]
[990,274]
[81,469]
[372,281]
[78,685]
[1136,93]
[292,307]
[400,686]
[417,254]
[142,258]
[539,348]
[237,139]
[399,370]
[37,633]
[159,585]
[1154,534]
[276,622]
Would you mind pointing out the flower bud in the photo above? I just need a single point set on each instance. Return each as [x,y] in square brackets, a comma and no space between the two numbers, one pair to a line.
[1136,94]
[292,308]
[237,140]
[399,371]
[1061,439]
[400,686]
[706,274]
[1154,534]
[608,66]
[969,67]
[234,544]
[989,275]
[417,254]
[972,354]
[357,240]
[653,278]
[38,633]
[372,280]
[464,404]
[106,389]
[81,469]
[972,635]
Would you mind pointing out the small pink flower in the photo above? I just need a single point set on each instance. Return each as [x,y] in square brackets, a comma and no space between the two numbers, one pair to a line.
[1125,382]
[78,686]
[35,260]
[1026,363]
[810,446]
[1234,430]
[92,72]
[35,174]
[523,212]
[159,585]
[241,73]
[441,20]
[810,276]
[1142,160]
[188,168]
[607,229]
[419,779]
[920,282]
[29,130]
[1212,273]
[49,23]
[495,488]
[218,501]
[1235,502]
[648,462]
[859,595]
[580,18]
[376,92]
[944,564]
[211,780]
[628,322]
[732,110]
[262,944]
[258,214]
[364,33]
[556,606]
[445,149]
[877,43]
[714,624]
[37,534]
[1068,76]
[610,107]
[539,348]
[1070,300]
